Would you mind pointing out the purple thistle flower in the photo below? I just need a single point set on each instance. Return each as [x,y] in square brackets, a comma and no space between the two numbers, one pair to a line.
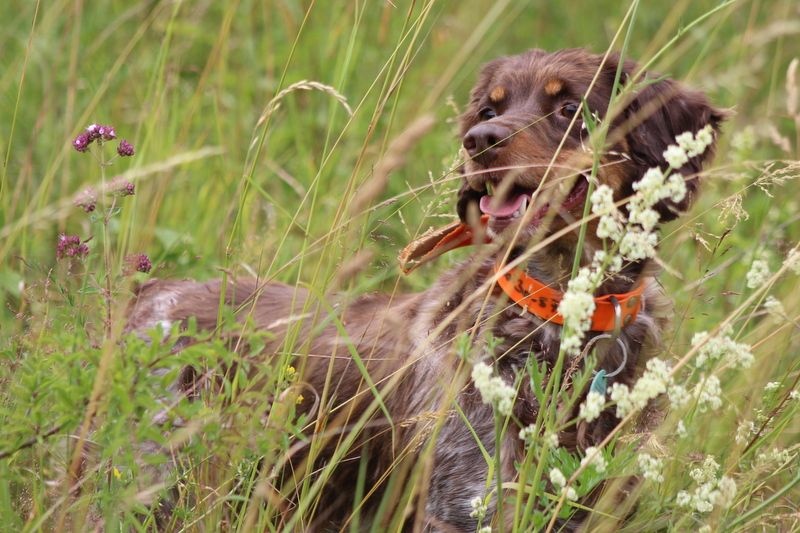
[125,149]
[87,200]
[70,246]
[127,189]
[82,142]
[139,263]
[107,132]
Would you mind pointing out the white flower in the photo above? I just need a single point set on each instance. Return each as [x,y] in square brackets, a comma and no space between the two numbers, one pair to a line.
[594,458]
[592,406]
[637,244]
[708,394]
[722,347]
[758,274]
[773,307]
[478,508]
[609,228]
[793,260]
[570,493]
[708,472]
[794,395]
[485,529]
[557,478]
[603,200]
[551,439]
[576,308]
[675,156]
[680,429]
[726,492]
[493,389]
[744,430]
[651,467]
[771,386]
[678,396]
[602,260]
[528,433]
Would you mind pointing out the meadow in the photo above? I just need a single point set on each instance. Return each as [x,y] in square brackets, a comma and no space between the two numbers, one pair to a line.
[265,139]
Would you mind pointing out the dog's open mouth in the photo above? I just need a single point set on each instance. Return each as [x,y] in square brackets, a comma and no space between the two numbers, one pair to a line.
[513,206]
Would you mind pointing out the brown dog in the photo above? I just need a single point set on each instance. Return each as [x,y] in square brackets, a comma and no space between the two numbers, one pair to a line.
[421,420]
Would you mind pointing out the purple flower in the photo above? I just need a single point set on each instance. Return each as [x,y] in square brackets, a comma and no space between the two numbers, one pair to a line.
[87,200]
[125,149]
[127,189]
[139,263]
[82,142]
[70,246]
[107,132]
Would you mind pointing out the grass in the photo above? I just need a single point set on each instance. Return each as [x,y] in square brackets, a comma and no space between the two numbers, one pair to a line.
[256,126]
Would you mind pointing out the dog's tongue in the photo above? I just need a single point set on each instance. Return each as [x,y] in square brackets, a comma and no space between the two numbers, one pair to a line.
[505,209]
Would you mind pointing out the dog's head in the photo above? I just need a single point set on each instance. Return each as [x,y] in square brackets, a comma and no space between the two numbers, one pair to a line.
[524,131]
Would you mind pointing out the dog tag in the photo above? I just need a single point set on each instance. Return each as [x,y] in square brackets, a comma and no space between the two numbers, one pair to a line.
[599,383]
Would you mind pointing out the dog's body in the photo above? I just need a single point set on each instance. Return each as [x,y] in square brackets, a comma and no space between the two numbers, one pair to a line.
[520,113]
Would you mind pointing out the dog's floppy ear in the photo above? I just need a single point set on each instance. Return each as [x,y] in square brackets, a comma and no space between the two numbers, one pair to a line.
[659,111]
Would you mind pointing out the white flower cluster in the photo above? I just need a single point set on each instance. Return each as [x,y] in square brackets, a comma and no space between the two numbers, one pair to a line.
[576,307]
[653,382]
[594,458]
[744,431]
[758,273]
[710,491]
[651,467]
[774,307]
[485,529]
[479,508]
[493,389]
[793,260]
[678,395]
[559,480]
[708,394]
[527,434]
[592,406]
[688,146]
[722,347]
[775,455]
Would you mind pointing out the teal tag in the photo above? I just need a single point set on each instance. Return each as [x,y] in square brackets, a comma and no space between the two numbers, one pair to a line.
[599,383]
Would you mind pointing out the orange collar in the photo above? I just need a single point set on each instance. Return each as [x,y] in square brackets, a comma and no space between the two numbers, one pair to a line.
[524,290]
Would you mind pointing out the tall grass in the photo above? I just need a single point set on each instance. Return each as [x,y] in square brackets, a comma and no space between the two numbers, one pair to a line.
[256,126]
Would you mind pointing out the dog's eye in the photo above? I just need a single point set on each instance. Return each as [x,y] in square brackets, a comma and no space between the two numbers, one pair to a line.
[487,113]
[569,110]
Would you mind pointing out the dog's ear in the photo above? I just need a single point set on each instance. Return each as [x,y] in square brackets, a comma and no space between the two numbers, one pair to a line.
[660,110]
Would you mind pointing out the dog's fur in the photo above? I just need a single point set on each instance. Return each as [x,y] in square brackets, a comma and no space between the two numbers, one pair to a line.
[518,116]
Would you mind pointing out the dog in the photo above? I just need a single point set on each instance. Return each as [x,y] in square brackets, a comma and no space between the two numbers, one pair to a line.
[395,367]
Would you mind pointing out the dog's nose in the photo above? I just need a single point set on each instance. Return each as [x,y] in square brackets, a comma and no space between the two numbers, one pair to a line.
[483,141]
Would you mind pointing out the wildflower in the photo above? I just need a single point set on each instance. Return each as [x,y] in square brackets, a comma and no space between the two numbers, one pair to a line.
[708,472]
[794,395]
[592,406]
[603,200]
[675,156]
[478,508]
[651,467]
[605,261]
[793,260]
[299,399]
[744,430]
[653,382]
[637,244]
[82,142]
[70,246]
[570,493]
[609,228]
[551,439]
[680,429]
[87,200]
[493,389]
[485,529]
[126,188]
[708,394]
[139,263]
[771,386]
[527,434]
[773,307]
[576,307]
[594,458]
[117,473]
[125,149]
[557,478]
[723,347]
[758,274]
[678,396]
